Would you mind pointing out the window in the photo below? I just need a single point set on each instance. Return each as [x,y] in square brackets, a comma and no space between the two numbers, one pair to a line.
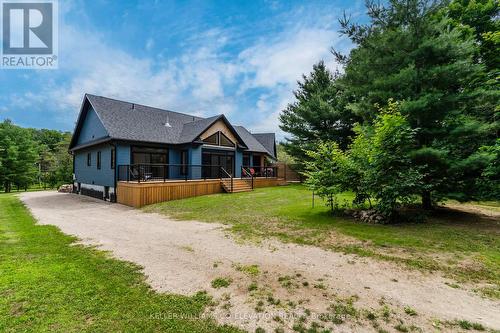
[89,159]
[212,139]
[98,160]
[112,158]
[246,160]
[219,139]
[184,162]
[224,141]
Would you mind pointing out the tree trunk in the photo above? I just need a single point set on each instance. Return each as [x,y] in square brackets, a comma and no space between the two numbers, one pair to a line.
[426,200]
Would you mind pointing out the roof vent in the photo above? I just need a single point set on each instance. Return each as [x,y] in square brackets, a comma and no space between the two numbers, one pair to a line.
[167,124]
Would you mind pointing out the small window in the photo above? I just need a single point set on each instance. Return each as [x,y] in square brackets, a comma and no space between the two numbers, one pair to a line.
[224,141]
[112,158]
[212,139]
[89,159]
[98,160]
[184,162]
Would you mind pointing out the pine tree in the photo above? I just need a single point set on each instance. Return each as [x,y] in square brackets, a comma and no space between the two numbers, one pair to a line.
[318,114]
[409,54]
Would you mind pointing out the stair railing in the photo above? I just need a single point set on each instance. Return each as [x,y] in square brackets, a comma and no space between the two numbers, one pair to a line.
[247,176]
[223,178]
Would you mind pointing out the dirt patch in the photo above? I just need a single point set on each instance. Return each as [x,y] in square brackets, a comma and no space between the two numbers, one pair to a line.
[272,285]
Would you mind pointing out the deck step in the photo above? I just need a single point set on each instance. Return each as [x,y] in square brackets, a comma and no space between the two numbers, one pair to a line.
[238,186]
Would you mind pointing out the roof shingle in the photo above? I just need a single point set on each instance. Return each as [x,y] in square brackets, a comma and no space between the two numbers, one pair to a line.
[135,122]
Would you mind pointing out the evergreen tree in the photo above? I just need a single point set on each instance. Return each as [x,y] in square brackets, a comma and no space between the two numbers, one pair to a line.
[318,114]
[428,65]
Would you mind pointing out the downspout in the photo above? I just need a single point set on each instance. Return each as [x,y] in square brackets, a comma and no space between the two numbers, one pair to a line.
[115,171]
[72,153]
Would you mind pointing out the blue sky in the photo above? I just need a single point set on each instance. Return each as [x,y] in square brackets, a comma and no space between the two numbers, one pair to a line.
[240,58]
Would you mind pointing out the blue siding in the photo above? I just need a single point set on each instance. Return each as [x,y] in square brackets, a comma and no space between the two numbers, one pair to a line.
[238,161]
[174,157]
[122,158]
[122,154]
[194,158]
[90,174]
[92,128]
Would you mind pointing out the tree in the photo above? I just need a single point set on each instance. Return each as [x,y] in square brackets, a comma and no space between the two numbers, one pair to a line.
[328,172]
[482,17]
[318,114]
[382,156]
[377,165]
[412,55]
[17,156]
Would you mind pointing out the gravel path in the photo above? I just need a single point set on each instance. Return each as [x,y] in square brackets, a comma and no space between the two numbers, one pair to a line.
[184,257]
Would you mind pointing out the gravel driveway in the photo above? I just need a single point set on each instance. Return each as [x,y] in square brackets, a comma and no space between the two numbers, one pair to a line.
[185,256]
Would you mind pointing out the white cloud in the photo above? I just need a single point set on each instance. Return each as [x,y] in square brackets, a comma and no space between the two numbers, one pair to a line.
[284,60]
[278,64]
[202,80]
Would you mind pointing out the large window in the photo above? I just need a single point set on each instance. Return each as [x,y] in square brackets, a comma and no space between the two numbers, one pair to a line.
[98,160]
[184,162]
[219,139]
[145,155]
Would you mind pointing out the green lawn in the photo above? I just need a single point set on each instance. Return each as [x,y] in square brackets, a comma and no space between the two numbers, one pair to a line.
[47,283]
[464,246]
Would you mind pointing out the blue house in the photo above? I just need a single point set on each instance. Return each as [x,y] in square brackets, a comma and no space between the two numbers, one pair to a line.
[116,141]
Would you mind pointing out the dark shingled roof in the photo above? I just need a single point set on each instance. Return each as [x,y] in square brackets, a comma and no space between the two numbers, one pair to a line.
[268,140]
[135,122]
[250,140]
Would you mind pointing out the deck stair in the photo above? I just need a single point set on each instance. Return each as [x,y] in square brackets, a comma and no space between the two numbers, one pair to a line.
[239,185]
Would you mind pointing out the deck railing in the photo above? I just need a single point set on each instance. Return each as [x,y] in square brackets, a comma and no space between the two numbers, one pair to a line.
[226,178]
[246,175]
[163,172]
[261,171]
[168,172]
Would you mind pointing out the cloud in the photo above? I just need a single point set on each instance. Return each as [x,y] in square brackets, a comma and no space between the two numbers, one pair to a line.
[193,82]
[276,65]
[211,74]
[285,59]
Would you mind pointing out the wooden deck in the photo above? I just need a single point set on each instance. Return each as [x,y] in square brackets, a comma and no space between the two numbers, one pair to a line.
[146,193]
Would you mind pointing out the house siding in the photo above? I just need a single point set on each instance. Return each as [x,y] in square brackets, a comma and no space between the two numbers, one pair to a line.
[238,158]
[90,174]
[92,128]
[174,157]
[194,156]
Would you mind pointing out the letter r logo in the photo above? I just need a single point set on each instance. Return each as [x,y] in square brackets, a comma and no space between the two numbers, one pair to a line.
[27,28]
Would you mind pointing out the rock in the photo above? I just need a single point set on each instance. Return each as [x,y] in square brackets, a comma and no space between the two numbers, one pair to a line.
[66,188]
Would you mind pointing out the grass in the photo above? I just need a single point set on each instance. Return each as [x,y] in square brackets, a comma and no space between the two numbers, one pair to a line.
[49,283]
[463,245]
[251,270]
[221,283]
